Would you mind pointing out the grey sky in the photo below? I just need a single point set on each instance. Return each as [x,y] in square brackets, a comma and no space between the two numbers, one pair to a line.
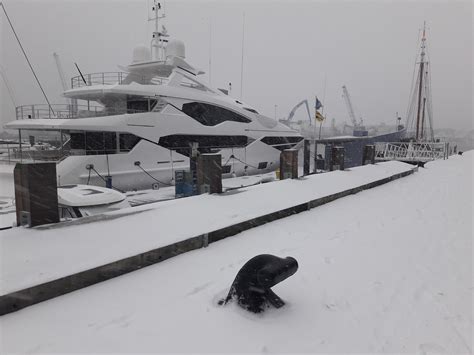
[290,47]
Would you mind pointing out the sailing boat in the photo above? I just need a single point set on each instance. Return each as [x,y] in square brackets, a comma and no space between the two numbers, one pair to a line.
[422,146]
[420,109]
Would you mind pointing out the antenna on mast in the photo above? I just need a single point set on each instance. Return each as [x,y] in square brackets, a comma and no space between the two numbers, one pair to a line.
[210,49]
[157,42]
[420,109]
[420,116]
[242,59]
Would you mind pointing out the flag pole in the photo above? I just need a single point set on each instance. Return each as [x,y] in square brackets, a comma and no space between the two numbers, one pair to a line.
[324,100]
[320,125]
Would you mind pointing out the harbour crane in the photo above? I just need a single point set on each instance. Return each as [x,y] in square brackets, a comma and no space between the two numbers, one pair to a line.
[62,77]
[292,112]
[60,71]
[350,108]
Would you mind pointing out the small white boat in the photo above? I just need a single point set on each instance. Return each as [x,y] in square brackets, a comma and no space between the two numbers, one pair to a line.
[85,200]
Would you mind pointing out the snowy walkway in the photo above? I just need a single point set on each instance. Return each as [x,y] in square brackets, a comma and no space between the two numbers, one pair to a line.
[32,256]
[386,270]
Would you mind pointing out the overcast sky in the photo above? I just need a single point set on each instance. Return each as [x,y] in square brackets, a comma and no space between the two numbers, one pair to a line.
[290,48]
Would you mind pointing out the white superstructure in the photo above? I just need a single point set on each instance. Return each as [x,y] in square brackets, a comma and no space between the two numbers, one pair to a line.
[137,126]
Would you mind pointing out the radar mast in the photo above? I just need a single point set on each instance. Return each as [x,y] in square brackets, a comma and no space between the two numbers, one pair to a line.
[158,41]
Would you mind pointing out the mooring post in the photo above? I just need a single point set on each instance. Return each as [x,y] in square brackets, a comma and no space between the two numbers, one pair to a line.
[328,157]
[306,155]
[209,173]
[315,163]
[337,159]
[289,164]
[193,166]
[368,156]
[36,194]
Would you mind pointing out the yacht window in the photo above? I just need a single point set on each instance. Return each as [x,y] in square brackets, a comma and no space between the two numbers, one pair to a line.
[127,141]
[183,141]
[281,140]
[94,142]
[101,143]
[78,141]
[281,143]
[110,142]
[262,165]
[135,105]
[210,115]
[226,169]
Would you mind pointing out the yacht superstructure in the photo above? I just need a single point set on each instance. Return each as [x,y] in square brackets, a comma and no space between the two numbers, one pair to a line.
[137,126]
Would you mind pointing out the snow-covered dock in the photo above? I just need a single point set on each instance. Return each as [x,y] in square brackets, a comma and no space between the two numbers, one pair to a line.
[35,256]
[385,270]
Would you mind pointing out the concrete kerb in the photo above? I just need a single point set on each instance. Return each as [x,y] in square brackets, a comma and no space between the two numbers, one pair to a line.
[20,299]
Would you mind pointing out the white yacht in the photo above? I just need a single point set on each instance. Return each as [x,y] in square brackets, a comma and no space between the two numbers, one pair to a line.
[137,126]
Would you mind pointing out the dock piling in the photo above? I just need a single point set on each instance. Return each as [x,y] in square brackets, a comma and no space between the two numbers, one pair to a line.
[36,194]
[368,156]
[306,156]
[337,158]
[289,164]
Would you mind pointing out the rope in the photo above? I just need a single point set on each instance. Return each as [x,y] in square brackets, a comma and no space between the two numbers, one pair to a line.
[146,172]
[105,180]
[24,53]
[243,162]
[231,156]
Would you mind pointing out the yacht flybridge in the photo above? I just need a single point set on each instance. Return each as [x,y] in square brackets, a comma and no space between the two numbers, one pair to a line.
[137,126]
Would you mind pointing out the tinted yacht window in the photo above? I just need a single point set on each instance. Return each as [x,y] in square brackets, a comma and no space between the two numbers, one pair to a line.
[127,141]
[282,143]
[210,115]
[140,105]
[78,140]
[94,142]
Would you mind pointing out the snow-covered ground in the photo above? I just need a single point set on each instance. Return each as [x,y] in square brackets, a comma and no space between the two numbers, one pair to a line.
[386,270]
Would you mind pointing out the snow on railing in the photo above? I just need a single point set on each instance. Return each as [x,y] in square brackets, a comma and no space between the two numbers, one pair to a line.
[113,78]
[424,151]
[59,111]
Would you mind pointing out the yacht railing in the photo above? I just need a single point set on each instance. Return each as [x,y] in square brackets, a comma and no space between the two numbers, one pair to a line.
[52,155]
[113,78]
[64,111]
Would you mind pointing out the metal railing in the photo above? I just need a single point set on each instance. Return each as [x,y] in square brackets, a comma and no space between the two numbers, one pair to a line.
[411,151]
[113,78]
[53,155]
[62,111]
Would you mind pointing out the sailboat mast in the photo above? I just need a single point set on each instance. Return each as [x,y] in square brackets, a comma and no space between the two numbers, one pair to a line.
[422,133]
[420,87]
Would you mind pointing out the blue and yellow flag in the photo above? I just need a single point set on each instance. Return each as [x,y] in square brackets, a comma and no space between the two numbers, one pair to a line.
[318,104]
[319,117]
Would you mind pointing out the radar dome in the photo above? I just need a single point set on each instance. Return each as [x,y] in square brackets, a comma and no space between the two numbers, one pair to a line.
[175,48]
[141,54]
